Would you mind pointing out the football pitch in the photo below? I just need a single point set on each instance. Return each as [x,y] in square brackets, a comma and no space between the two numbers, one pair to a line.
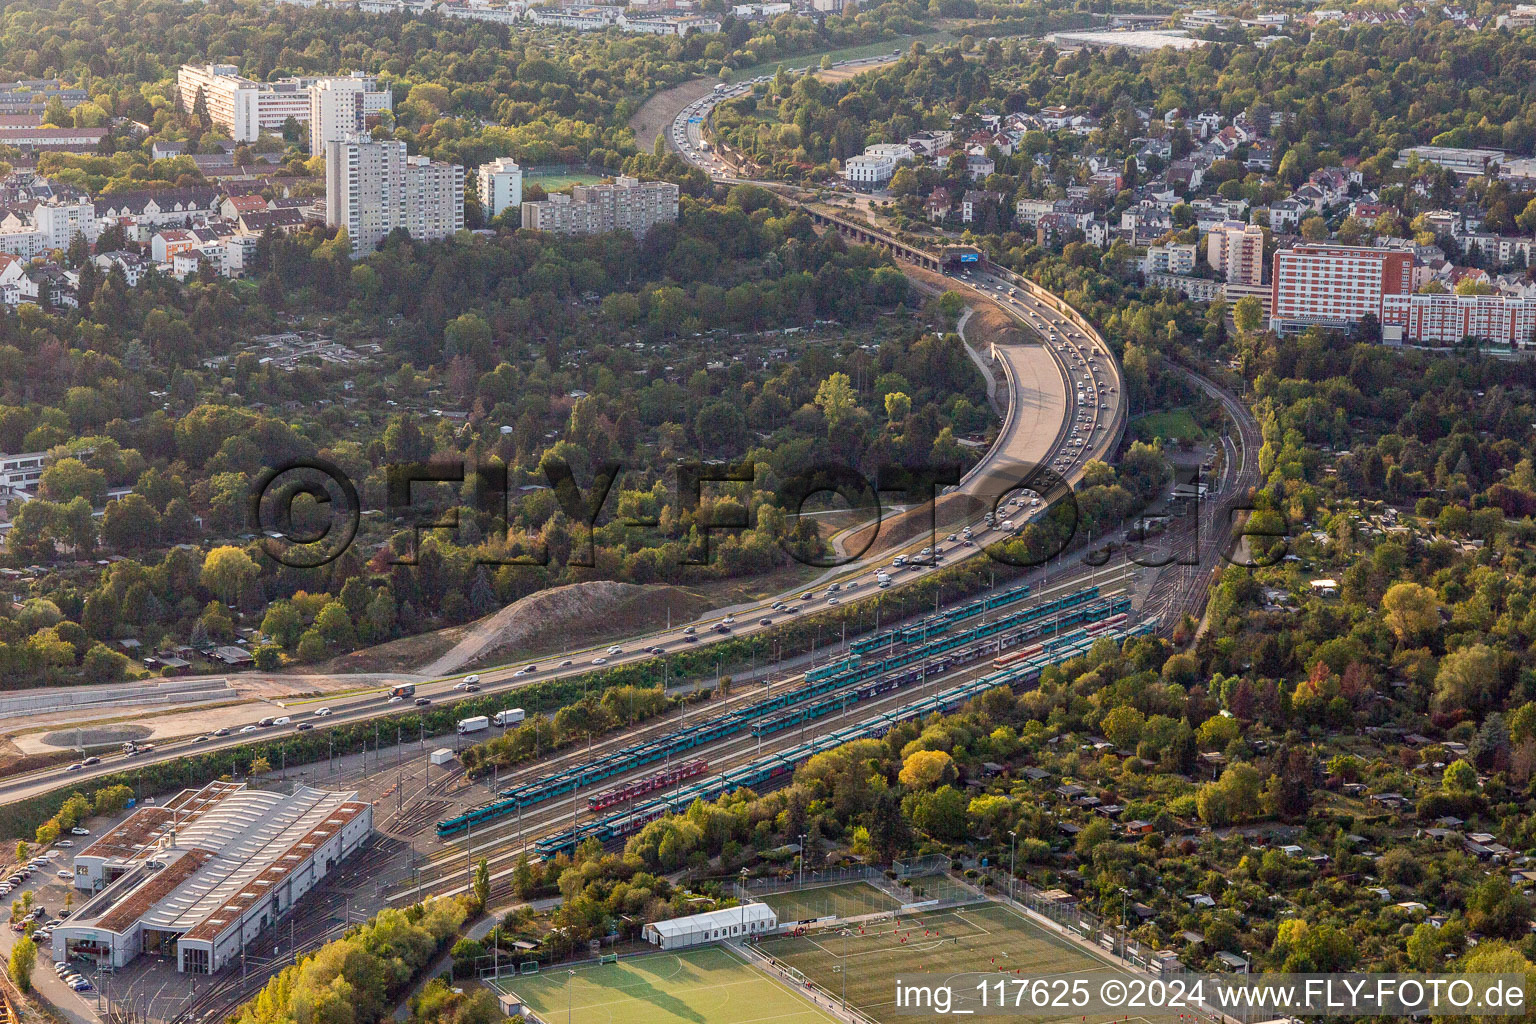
[967,944]
[700,986]
[845,899]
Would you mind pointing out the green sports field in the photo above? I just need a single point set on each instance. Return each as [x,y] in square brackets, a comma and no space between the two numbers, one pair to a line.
[973,942]
[700,986]
[845,899]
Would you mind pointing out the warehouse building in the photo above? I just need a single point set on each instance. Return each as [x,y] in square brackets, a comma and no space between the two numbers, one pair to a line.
[714,926]
[201,875]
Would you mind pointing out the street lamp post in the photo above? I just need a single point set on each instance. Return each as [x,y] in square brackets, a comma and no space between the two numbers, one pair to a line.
[743,899]
[1012,859]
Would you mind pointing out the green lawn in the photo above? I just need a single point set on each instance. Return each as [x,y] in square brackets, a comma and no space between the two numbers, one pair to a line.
[966,944]
[556,182]
[701,986]
[1179,423]
[846,899]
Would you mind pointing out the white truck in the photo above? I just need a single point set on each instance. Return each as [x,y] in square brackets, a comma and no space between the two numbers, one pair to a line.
[511,716]
[473,724]
[442,755]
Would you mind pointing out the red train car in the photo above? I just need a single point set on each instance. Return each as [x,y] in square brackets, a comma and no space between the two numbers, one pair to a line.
[627,791]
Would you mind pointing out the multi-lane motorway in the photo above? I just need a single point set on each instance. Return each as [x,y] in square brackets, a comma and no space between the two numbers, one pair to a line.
[1064,399]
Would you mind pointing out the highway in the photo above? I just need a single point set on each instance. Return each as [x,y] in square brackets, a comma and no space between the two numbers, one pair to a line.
[1046,423]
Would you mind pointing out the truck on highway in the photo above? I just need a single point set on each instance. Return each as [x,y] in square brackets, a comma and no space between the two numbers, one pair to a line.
[473,724]
[403,690]
[511,716]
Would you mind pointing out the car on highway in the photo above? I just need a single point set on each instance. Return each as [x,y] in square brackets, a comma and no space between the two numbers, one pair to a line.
[323,713]
[200,739]
[91,761]
[599,661]
[691,638]
[396,699]
[615,649]
[473,688]
[567,663]
[247,729]
[75,767]
[765,621]
[472,679]
[222,731]
[422,702]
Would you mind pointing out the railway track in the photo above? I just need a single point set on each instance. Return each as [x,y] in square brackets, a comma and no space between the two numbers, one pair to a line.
[502,842]
[1182,588]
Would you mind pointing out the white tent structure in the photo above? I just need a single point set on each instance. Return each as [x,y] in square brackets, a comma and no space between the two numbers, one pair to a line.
[714,926]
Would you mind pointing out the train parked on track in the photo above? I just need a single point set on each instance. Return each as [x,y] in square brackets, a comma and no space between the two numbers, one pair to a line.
[770,769]
[840,689]
[627,791]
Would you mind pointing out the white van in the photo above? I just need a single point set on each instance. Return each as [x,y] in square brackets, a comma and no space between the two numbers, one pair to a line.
[285,720]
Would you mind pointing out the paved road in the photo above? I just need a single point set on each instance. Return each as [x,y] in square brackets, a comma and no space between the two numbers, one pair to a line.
[1034,431]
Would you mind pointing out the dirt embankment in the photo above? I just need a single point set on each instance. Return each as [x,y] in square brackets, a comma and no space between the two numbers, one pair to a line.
[565,618]
[656,113]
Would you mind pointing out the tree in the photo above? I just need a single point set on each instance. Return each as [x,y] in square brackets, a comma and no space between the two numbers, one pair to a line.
[1233,797]
[1248,314]
[70,478]
[1411,611]
[1467,678]
[835,398]
[226,571]
[940,813]
[483,882]
[925,769]
[23,959]
[1314,229]
[1123,725]
[1498,908]
[23,851]
[904,182]
[260,765]
[1459,777]
[898,406]
[888,831]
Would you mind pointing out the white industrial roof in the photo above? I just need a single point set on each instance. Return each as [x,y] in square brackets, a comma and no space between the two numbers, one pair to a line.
[240,835]
[730,916]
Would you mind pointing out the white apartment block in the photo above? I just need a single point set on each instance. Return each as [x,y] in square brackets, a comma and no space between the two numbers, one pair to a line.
[1169,259]
[1236,251]
[626,205]
[23,471]
[1466,162]
[877,164]
[1445,319]
[501,186]
[338,109]
[30,230]
[434,199]
[372,187]
[246,108]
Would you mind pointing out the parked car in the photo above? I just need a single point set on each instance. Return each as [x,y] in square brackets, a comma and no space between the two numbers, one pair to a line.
[78,831]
